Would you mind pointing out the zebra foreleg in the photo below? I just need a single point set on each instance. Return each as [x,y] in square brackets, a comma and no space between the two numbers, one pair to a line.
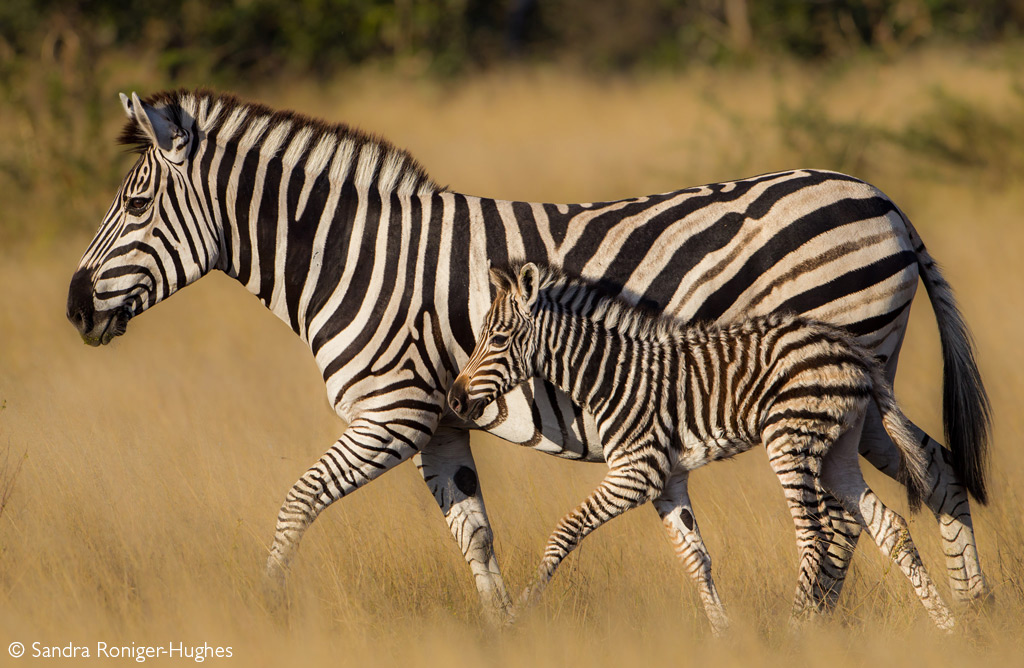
[673,505]
[365,451]
[447,467]
[948,502]
[622,488]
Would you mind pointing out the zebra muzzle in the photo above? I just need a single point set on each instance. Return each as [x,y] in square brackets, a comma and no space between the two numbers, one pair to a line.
[461,404]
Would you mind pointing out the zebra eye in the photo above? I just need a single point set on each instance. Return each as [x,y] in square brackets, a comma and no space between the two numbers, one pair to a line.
[498,340]
[137,205]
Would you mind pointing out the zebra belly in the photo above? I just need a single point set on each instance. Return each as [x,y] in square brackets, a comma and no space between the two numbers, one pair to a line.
[696,451]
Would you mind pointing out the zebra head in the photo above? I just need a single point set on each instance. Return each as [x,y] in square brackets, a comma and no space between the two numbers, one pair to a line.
[506,349]
[154,240]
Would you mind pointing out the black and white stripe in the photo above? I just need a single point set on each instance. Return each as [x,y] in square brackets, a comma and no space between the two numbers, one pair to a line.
[668,399]
[384,275]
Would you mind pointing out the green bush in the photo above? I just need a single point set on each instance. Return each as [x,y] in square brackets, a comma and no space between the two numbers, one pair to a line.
[323,36]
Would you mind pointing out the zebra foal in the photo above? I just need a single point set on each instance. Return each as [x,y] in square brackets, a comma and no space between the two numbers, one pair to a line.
[668,399]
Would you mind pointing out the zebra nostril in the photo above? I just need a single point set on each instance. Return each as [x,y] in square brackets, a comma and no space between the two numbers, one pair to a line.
[457,398]
[81,320]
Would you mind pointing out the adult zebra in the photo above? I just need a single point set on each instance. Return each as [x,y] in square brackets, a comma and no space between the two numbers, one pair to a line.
[384,275]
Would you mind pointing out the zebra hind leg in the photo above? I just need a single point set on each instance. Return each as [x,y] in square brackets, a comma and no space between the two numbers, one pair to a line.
[622,488]
[842,531]
[447,467]
[796,460]
[673,505]
[948,502]
[842,477]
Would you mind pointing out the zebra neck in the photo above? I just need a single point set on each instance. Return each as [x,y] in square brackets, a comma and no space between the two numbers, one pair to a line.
[585,358]
[297,245]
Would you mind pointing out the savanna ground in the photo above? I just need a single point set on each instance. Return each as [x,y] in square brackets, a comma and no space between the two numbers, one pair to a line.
[141,480]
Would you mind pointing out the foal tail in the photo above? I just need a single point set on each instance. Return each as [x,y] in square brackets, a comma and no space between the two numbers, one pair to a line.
[913,472]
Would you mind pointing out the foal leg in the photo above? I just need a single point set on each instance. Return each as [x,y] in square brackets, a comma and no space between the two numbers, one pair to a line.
[673,505]
[622,488]
[796,459]
[841,532]
[842,477]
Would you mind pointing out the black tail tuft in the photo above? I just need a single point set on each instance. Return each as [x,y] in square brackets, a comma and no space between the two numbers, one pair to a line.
[965,407]
[966,412]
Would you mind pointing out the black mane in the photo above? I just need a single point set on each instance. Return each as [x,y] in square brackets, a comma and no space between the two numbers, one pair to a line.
[175,103]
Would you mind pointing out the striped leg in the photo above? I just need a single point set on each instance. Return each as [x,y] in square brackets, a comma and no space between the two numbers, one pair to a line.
[673,505]
[447,467]
[948,502]
[366,450]
[841,531]
[795,458]
[841,475]
[622,488]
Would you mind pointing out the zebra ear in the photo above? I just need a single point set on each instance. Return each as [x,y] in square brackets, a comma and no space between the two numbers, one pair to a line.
[528,280]
[156,124]
[127,104]
[498,279]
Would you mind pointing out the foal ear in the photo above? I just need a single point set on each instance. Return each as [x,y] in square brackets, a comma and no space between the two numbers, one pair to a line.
[528,279]
[498,279]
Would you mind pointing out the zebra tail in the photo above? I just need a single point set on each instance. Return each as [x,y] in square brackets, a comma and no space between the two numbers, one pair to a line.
[966,412]
[913,471]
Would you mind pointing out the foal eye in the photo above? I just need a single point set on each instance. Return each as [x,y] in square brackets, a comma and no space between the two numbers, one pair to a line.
[499,340]
[137,205]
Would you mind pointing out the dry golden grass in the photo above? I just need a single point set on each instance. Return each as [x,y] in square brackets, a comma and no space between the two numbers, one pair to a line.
[153,468]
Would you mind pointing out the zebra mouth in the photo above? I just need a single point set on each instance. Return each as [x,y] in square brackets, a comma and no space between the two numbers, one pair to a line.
[115,326]
[473,412]
[462,405]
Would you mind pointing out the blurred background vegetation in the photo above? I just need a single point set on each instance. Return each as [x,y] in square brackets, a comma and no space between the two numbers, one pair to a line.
[260,37]
[63,61]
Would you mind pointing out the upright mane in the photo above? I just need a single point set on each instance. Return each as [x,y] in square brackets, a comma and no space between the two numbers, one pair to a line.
[566,293]
[574,294]
[372,160]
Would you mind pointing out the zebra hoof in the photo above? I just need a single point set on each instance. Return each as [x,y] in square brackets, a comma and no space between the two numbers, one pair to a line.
[508,620]
[719,627]
[497,616]
[275,588]
[979,598]
[977,609]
